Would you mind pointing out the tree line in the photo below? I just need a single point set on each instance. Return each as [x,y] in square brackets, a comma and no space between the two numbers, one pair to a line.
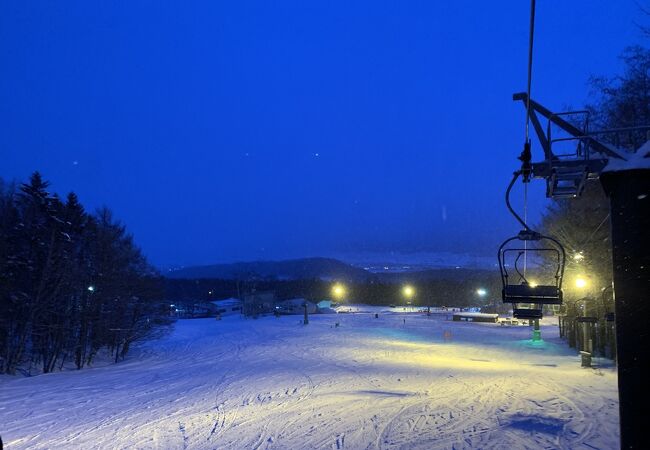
[71,283]
[582,225]
[435,292]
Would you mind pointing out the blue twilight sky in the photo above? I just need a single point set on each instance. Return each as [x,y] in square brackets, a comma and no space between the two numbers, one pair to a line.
[221,131]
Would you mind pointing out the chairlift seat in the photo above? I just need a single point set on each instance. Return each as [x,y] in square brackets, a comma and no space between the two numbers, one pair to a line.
[525,293]
[527,313]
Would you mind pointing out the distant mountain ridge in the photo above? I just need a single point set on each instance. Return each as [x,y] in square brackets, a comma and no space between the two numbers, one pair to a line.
[291,269]
[317,268]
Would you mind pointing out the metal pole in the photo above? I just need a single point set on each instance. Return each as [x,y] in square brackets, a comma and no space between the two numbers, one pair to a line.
[306,319]
[629,194]
[537,333]
[585,337]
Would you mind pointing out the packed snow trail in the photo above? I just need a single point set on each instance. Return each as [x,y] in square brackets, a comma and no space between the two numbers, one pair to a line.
[369,383]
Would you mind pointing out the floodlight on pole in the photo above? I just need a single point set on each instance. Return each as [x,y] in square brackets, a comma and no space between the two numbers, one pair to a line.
[408,291]
[91,288]
[581,283]
[338,291]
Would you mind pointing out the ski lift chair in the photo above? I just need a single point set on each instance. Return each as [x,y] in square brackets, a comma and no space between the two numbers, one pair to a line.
[529,299]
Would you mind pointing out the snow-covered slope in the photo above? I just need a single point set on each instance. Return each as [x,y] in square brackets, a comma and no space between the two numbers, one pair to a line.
[400,381]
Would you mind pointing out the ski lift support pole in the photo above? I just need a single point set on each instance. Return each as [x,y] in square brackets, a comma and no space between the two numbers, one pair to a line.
[629,196]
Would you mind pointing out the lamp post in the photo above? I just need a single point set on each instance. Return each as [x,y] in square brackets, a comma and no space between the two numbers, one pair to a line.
[610,325]
[338,291]
[306,319]
[481,292]
[409,292]
[581,284]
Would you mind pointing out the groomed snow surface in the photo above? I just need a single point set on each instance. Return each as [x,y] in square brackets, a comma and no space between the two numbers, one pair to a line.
[400,381]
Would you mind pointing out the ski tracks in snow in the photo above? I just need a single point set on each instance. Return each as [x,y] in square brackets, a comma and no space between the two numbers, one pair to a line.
[273,384]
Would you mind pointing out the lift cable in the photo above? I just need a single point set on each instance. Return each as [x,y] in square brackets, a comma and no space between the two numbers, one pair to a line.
[526,154]
[593,233]
[597,228]
[530,66]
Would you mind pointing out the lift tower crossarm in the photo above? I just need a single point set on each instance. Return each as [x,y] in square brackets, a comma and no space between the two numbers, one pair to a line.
[535,107]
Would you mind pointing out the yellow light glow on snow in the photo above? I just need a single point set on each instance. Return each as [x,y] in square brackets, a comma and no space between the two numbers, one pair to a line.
[438,355]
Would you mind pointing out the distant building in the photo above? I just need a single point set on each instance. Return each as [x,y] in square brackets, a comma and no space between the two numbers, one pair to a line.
[196,310]
[295,306]
[324,304]
[258,303]
[326,307]
[228,306]
[475,317]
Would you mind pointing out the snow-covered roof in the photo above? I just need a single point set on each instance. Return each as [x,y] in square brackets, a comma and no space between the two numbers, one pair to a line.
[227,302]
[637,160]
[476,314]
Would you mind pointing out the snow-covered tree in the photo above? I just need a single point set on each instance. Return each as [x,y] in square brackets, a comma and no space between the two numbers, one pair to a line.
[70,283]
